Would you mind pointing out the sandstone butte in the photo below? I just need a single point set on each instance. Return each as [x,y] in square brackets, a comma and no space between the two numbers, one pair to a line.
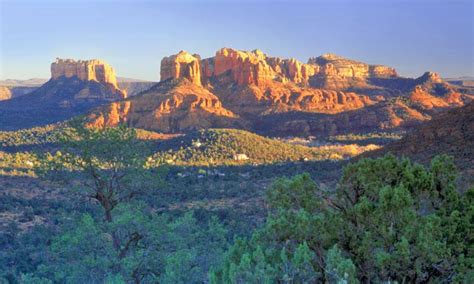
[86,70]
[75,88]
[181,65]
[234,87]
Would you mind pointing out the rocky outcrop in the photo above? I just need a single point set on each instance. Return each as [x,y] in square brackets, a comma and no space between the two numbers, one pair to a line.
[181,65]
[171,106]
[246,87]
[429,78]
[256,68]
[348,68]
[380,116]
[86,70]
[431,92]
[341,73]
[245,68]
[281,97]
[242,67]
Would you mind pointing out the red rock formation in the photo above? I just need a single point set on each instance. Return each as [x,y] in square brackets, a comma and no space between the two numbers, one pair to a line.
[181,65]
[246,68]
[348,68]
[431,93]
[172,107]
[244,87]
[256,68]
[86,70]
[341,73]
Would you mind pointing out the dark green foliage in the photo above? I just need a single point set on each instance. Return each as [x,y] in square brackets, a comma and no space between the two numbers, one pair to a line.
[294,194]
[389,220]
[167,250]
[120,238]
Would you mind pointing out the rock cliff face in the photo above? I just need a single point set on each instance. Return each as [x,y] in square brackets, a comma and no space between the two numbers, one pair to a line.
[256,68]
[245,67]
[340,73]
[328,95]
[344,67]
[87,70]
[250,82]
[181,65]
[173,106]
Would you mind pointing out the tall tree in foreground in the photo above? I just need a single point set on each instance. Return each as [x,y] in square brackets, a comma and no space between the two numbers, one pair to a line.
[390,220]
[129,241]
[107,165]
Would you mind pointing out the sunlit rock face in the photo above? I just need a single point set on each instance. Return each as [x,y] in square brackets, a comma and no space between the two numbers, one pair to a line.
[431,92]
[171,106]
[86,70]
[249,89]
[256,68]
[337,72]
[350,68]
[181,65]
[245,67]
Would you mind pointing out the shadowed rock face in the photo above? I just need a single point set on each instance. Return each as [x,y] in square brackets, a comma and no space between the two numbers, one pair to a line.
[248,89]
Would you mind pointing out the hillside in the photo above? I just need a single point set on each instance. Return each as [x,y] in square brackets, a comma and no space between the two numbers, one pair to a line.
[18,88]
[170,106]
[451,133]
[75,88]
[238,147]
[55,101]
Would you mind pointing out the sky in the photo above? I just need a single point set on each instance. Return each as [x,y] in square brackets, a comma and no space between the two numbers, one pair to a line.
[133,36]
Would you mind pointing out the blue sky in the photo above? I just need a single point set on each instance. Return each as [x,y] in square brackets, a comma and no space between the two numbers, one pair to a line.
[411,35]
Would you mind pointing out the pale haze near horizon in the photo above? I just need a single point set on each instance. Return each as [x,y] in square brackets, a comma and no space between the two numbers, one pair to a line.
[133,36]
